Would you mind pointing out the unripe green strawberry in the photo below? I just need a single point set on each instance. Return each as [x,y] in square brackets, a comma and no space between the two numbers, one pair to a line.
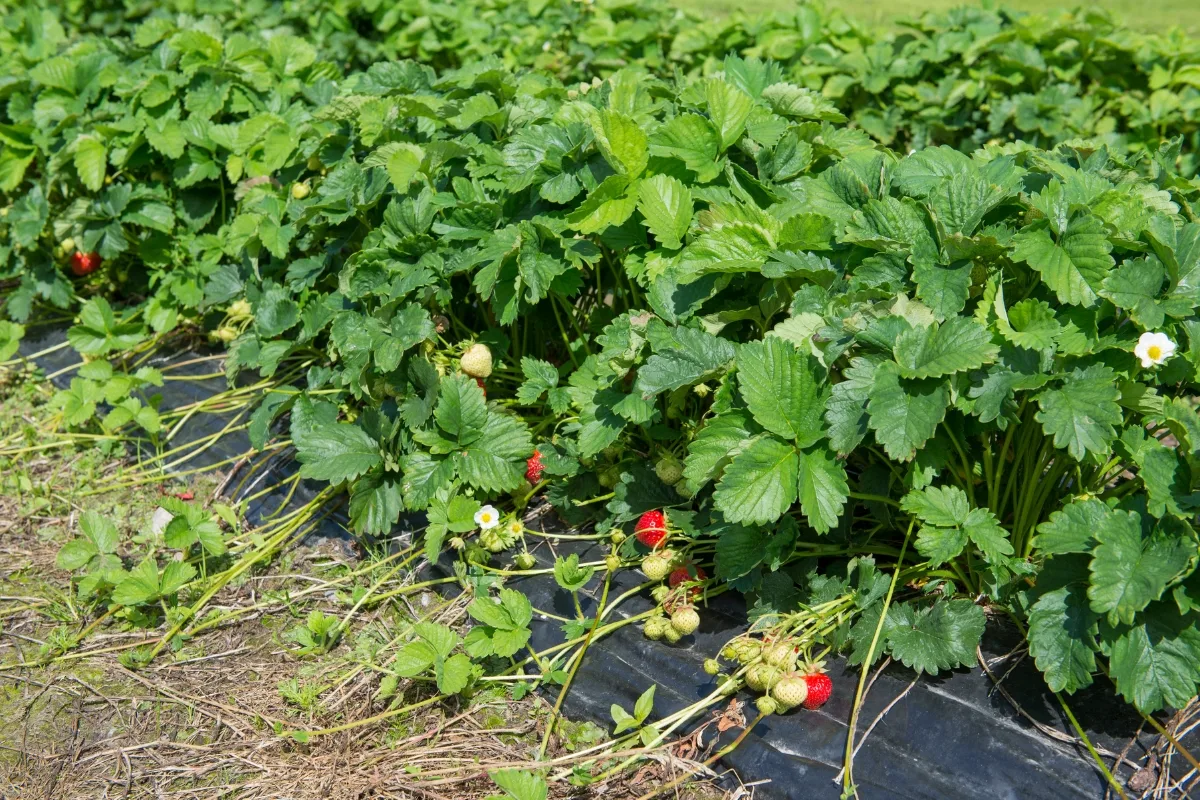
[668,470]
[656,566]
[711,666]
[477,361]
[300,191]
[671,635]
[655,627]
[781,654]
[617,536]
[67,244]
[683,490]
[729,653]
[727,684]
[685,620]
[766,706]
[612,562]
[492,540]
[747,650]
[526,561]
[314,163]
[790,691]
[761,677]
[608,478]
[659,593]
[457,543]
[477,555]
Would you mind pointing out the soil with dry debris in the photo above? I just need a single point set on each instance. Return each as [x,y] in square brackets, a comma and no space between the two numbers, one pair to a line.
[213,717]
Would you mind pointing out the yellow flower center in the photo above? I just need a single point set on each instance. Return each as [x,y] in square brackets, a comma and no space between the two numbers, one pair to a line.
[1154,352]
[486,518]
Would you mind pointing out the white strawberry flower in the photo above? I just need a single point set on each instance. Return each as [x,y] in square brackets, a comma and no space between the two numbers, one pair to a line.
[1153,349]
[487,517]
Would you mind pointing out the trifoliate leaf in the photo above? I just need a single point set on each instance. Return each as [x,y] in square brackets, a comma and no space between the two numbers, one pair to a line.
[944,506]
[1131,569]
[943,636]
[958,344]
[454,673]
[1031,324]
[760,484]
[904,414]
[540,377]
[984,531]
[1080,414]
[1156,663]
[139,586]
[1074,267]
[943,287]
[780,386]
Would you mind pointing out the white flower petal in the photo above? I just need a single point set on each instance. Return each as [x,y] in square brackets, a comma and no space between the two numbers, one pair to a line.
[1153,348]
[487,517]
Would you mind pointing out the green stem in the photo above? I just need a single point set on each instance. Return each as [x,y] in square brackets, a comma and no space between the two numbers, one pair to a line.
[848,773]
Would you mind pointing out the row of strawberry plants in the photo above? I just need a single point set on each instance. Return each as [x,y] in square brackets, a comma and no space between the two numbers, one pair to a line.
[981,361]
[131,139]
[699,298]
[960,77]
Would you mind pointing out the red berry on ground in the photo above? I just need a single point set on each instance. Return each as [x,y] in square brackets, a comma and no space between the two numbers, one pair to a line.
[185,496]
[651,528]
[534,468]
[85,263]
[819,688]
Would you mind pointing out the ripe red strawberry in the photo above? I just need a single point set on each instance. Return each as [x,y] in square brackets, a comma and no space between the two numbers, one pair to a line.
[819,689]
[534,468]
[479,383]
[84,263]
[651,528]
[685,575]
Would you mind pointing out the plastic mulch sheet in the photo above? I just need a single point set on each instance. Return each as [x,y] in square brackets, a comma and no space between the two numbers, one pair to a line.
[951,736]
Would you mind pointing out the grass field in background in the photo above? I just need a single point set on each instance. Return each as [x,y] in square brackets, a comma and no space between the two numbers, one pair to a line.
[1149,15]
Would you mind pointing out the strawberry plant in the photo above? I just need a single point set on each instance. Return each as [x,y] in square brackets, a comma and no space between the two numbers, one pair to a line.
[651,277]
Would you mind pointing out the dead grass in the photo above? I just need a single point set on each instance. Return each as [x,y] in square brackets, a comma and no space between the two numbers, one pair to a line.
[214,718]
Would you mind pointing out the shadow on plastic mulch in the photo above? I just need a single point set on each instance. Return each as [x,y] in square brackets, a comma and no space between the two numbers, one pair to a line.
[952,736]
